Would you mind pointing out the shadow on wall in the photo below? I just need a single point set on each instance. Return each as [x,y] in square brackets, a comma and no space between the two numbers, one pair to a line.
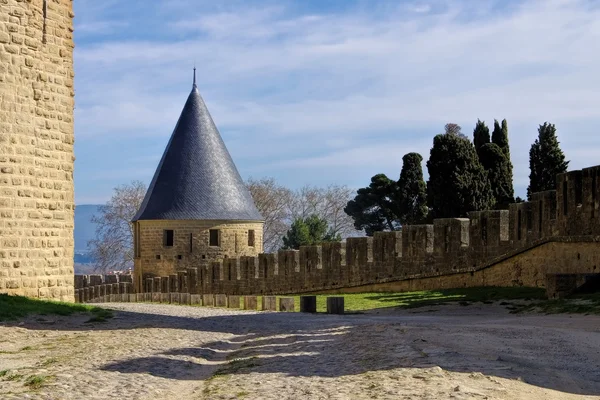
[334,346]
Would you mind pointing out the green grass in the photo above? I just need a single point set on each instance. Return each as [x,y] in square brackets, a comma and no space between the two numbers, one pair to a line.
[36,381]
[235,365]
[16,307]
[357,302]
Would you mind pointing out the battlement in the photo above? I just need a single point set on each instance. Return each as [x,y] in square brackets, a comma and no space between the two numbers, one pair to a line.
[447,247]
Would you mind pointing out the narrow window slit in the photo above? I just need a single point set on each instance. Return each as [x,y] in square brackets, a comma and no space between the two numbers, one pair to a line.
[45,15]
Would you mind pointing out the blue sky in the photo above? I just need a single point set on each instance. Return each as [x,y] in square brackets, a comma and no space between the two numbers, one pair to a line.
[319,92]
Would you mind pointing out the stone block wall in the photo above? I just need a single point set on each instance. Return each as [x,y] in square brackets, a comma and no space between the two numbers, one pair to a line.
[497,247]
[191,245]
[36,148]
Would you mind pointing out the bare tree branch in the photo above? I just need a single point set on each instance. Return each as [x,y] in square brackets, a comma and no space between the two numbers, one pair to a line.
[112,249]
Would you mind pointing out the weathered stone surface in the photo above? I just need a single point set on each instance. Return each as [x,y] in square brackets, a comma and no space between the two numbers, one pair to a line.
[196,299]
[286,304]
[269,303]
[208,300]
[233,301]
[250,302]
[36,150]
[220,300]
[191,247]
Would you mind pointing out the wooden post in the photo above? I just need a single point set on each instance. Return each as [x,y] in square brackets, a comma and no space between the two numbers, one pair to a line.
[308,304]
[335,305]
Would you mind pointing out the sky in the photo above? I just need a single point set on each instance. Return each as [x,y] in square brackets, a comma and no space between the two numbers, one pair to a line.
[329,92]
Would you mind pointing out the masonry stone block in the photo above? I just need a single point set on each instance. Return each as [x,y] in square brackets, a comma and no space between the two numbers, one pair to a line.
[250,303]
[208,300]
[286,304]
[184,298]
[220,300]
[269,303]
[196,299]
[233,301]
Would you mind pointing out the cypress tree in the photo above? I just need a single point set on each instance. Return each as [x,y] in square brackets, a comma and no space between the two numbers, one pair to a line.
[500,136]
[499,171]
[546,160]
[481,135]
[457,181]
[412,190]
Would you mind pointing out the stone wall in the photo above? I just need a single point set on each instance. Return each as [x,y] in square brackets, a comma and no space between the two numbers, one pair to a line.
[556,232]
[191,245]
[36,148]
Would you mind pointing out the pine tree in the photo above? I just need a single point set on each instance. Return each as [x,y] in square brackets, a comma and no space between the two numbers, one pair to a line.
[308,232]
[481,135]
[375,208]
[457,182]
[546,160]
[412,190]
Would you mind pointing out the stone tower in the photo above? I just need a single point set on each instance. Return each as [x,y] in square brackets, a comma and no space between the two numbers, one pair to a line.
[36,148]
[197,208]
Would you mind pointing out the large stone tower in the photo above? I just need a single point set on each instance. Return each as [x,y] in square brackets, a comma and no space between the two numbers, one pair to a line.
[36,148]
[197,208]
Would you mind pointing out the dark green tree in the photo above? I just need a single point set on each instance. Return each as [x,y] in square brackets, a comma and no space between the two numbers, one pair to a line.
[375,208]
[499,170]
[546,160]
[412,191]
[500,137]
[307,232]
[457,181]
[481,135]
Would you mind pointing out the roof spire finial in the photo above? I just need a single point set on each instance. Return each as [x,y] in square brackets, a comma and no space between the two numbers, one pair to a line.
[194,74]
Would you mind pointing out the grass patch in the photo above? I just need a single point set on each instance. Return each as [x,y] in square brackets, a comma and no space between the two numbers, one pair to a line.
[16,307]
[36,381]
[242,394]
[48,362]
[236,365]
[407,300]
[13,377]
[576,304]
[4,372]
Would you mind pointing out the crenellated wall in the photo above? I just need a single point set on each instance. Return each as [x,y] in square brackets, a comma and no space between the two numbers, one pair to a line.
[558,231]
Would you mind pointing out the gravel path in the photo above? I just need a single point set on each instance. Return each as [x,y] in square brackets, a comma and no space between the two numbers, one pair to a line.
[151,351]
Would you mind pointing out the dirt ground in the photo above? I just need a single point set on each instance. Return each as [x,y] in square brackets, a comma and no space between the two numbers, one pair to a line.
[176,352]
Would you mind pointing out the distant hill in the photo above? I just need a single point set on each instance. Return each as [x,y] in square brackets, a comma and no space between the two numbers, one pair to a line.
[85,230]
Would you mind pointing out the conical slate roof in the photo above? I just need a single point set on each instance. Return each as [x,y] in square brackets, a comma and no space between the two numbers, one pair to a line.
[196,177]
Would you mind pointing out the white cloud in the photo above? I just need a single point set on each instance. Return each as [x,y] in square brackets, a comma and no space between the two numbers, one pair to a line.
[316,86]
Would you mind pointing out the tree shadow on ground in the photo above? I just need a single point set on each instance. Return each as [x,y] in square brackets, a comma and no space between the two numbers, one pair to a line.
[331,346]
[305,345]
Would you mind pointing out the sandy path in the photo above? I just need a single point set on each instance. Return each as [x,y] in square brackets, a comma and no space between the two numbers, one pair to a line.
[168,352]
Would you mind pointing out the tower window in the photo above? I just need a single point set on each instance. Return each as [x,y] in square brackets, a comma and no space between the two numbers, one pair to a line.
[168,235]
[251,238]
[213,237]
